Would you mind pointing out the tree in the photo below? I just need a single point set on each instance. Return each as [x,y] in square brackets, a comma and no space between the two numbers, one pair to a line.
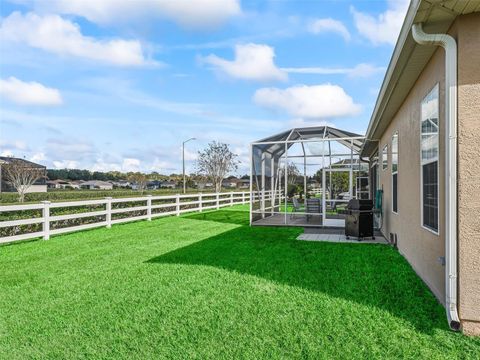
[140,180]
[336,181]
[21,175]
[215,162]
[340,182]
[292,173]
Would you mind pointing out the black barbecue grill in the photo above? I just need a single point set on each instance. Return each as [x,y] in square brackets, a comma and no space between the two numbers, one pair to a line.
[359,219]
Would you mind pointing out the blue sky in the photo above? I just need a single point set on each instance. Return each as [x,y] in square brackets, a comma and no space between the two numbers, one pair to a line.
[117,85]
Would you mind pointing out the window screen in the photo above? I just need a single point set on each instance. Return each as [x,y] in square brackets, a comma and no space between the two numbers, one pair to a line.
[394,192]
[429,159]
[430,195]
[385,157]
[395,172]
[395,152]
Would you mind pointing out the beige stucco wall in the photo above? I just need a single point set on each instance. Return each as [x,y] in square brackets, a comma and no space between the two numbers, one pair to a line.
[420,246]
[469,171]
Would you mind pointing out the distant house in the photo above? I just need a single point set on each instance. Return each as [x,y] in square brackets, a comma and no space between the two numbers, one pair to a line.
[243,183]
[154,185]
[202,184]
[357,164]
[39,186]
[230,183]
[58,184]
[168,184]
[75,184]
[121,184]
[96,185]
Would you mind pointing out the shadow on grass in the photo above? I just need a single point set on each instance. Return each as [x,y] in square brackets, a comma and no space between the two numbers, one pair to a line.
[371,275]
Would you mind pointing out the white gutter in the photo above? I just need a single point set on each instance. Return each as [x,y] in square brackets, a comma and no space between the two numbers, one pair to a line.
[450,46]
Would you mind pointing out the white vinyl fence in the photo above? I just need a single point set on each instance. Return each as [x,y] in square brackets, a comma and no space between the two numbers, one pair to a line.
[106,212]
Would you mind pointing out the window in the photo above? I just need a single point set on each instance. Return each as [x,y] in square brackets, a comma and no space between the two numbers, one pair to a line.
[385,157]
[429,160]
[395,172]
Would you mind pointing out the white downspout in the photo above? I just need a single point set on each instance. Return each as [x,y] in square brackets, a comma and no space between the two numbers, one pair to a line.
[450,46]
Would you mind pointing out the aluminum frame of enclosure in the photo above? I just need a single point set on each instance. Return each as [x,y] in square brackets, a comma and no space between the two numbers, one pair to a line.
[269,181]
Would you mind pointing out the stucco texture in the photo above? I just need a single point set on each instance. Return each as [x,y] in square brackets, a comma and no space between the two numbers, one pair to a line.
[420,246]
[469,171]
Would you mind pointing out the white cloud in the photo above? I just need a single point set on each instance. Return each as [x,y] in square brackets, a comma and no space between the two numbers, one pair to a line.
[298,122]
[29,93]
[190,155]
[38,157]
[252,62]
[101,165]
[66,164]
[131,164]
[190,14]
[109,162]
[69,151]
[384,28]
[15,145]
[63,37]
[360,70]
[329,25]
[165,167]
[6,153]
[312,102]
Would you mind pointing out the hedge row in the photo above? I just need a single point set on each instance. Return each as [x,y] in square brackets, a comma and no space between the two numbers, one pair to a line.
[67,195]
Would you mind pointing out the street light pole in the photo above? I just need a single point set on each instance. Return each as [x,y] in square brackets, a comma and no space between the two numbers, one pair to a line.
[183,162]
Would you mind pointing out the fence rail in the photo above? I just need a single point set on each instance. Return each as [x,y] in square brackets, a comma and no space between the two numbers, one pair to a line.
[107,210]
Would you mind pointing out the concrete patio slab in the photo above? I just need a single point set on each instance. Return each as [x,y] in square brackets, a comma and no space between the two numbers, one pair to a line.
[340,238]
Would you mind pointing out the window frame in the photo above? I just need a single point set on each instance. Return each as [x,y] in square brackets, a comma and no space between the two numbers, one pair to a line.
[394,172]
[423,162]
[385,157]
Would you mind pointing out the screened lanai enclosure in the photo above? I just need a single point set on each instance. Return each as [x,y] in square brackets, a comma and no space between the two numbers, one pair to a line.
[306,176]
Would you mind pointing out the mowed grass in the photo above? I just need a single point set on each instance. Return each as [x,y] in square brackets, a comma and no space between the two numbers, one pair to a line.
[209,286]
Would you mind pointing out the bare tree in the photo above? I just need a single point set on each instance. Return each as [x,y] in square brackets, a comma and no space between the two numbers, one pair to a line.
[140,180]
[292,173]
[216,161]
[21,175]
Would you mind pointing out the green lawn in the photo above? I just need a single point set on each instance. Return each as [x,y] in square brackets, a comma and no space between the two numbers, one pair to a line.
[209,286]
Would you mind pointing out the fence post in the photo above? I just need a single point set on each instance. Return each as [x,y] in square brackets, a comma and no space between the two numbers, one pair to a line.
[46,220]
[149,207]
[243,197]
[200,205]
[177,203]
[218,201]
[108,208]
[231,199]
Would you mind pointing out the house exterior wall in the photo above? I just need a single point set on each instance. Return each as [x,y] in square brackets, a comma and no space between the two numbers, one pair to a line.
[469,171]
[420,246]
[37,189]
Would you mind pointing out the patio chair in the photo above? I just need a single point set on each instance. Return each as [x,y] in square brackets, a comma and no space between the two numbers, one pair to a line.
[314,207]
[296,207]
